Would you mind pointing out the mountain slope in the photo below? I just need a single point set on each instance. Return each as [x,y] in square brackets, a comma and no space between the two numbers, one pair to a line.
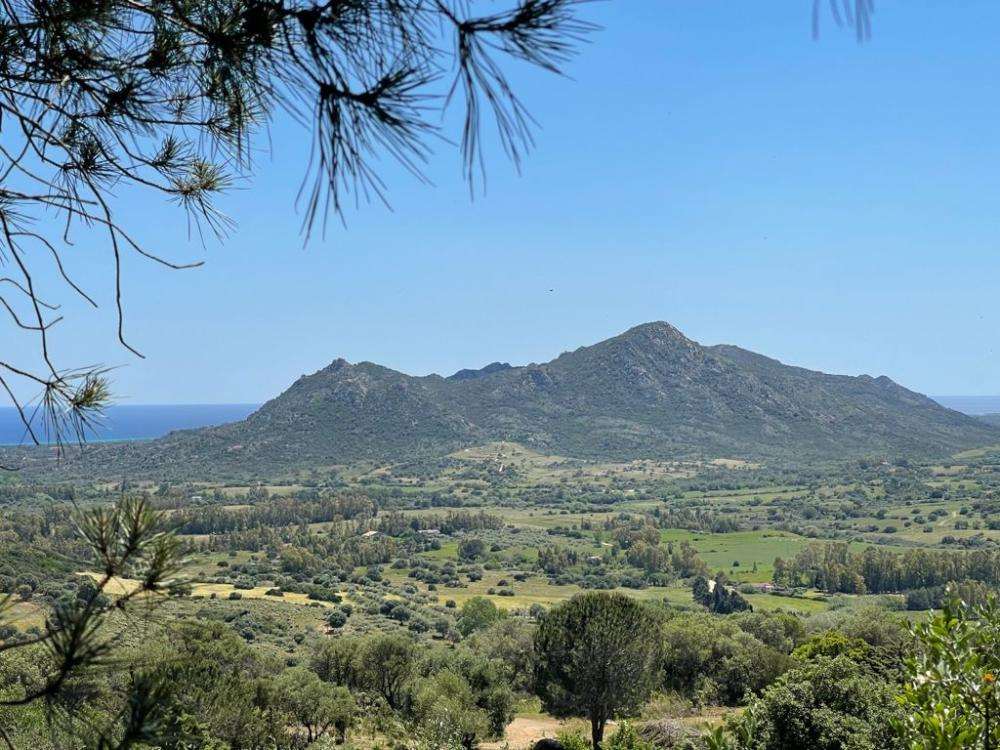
[652,391]
[647,392]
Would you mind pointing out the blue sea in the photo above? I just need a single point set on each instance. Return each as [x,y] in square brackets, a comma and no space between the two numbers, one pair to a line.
[135,421]
[973,405]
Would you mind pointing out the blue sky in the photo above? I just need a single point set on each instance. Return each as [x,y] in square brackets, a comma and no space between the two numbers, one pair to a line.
[709,164]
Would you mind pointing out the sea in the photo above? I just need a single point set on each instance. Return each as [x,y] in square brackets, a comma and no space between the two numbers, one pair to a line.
[135,421]
[974,405]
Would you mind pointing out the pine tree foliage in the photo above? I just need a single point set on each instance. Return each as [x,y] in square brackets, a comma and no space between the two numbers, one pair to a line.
[81,637]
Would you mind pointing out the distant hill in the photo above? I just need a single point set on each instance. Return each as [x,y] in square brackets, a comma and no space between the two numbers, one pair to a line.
[990,419]
[473,374]
[649,392]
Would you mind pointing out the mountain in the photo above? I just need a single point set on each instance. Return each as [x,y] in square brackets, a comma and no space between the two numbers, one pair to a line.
[990,419]
[488,370]
[649,392]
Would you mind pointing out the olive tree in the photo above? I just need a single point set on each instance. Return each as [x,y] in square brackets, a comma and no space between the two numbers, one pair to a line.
[316,706]
[387,665]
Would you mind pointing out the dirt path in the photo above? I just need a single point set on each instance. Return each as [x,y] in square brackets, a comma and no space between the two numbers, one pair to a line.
[525,731]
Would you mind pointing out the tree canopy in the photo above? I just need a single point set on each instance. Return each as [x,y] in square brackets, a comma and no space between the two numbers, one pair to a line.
[598,656]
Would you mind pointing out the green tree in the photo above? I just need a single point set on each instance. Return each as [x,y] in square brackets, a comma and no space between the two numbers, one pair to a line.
[314,705]
[711,659]
[217,689]
[477,613]
[336,660]
[824,704]
[336,619]
[598,656]
[498,702]
[718,596]
[488,677]
[700,591]
[387,665]
[471,548]
[446,711]
[510,640]
[951,699]
[782,631]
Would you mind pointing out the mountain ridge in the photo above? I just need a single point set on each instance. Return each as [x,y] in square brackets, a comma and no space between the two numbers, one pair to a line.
[648,392]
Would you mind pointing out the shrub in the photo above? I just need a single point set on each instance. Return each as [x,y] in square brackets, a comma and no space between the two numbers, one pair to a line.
[951,694]
[825,703]
[572,740]
[627,738]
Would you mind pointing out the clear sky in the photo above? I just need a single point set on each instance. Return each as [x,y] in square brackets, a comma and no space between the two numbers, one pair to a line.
[832,205]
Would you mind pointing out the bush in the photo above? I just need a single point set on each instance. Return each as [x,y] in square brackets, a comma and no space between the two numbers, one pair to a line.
[960,650]
[499,707]
[627,738]
[572,740]
[711,659]
[471,549]
[667,734]
[825,703]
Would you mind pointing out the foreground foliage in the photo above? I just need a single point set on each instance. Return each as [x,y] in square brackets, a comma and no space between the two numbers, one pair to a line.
[951,699]
[79,637]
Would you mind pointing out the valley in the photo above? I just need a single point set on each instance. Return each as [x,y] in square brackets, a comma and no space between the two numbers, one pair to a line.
[447,557]
[410,547]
